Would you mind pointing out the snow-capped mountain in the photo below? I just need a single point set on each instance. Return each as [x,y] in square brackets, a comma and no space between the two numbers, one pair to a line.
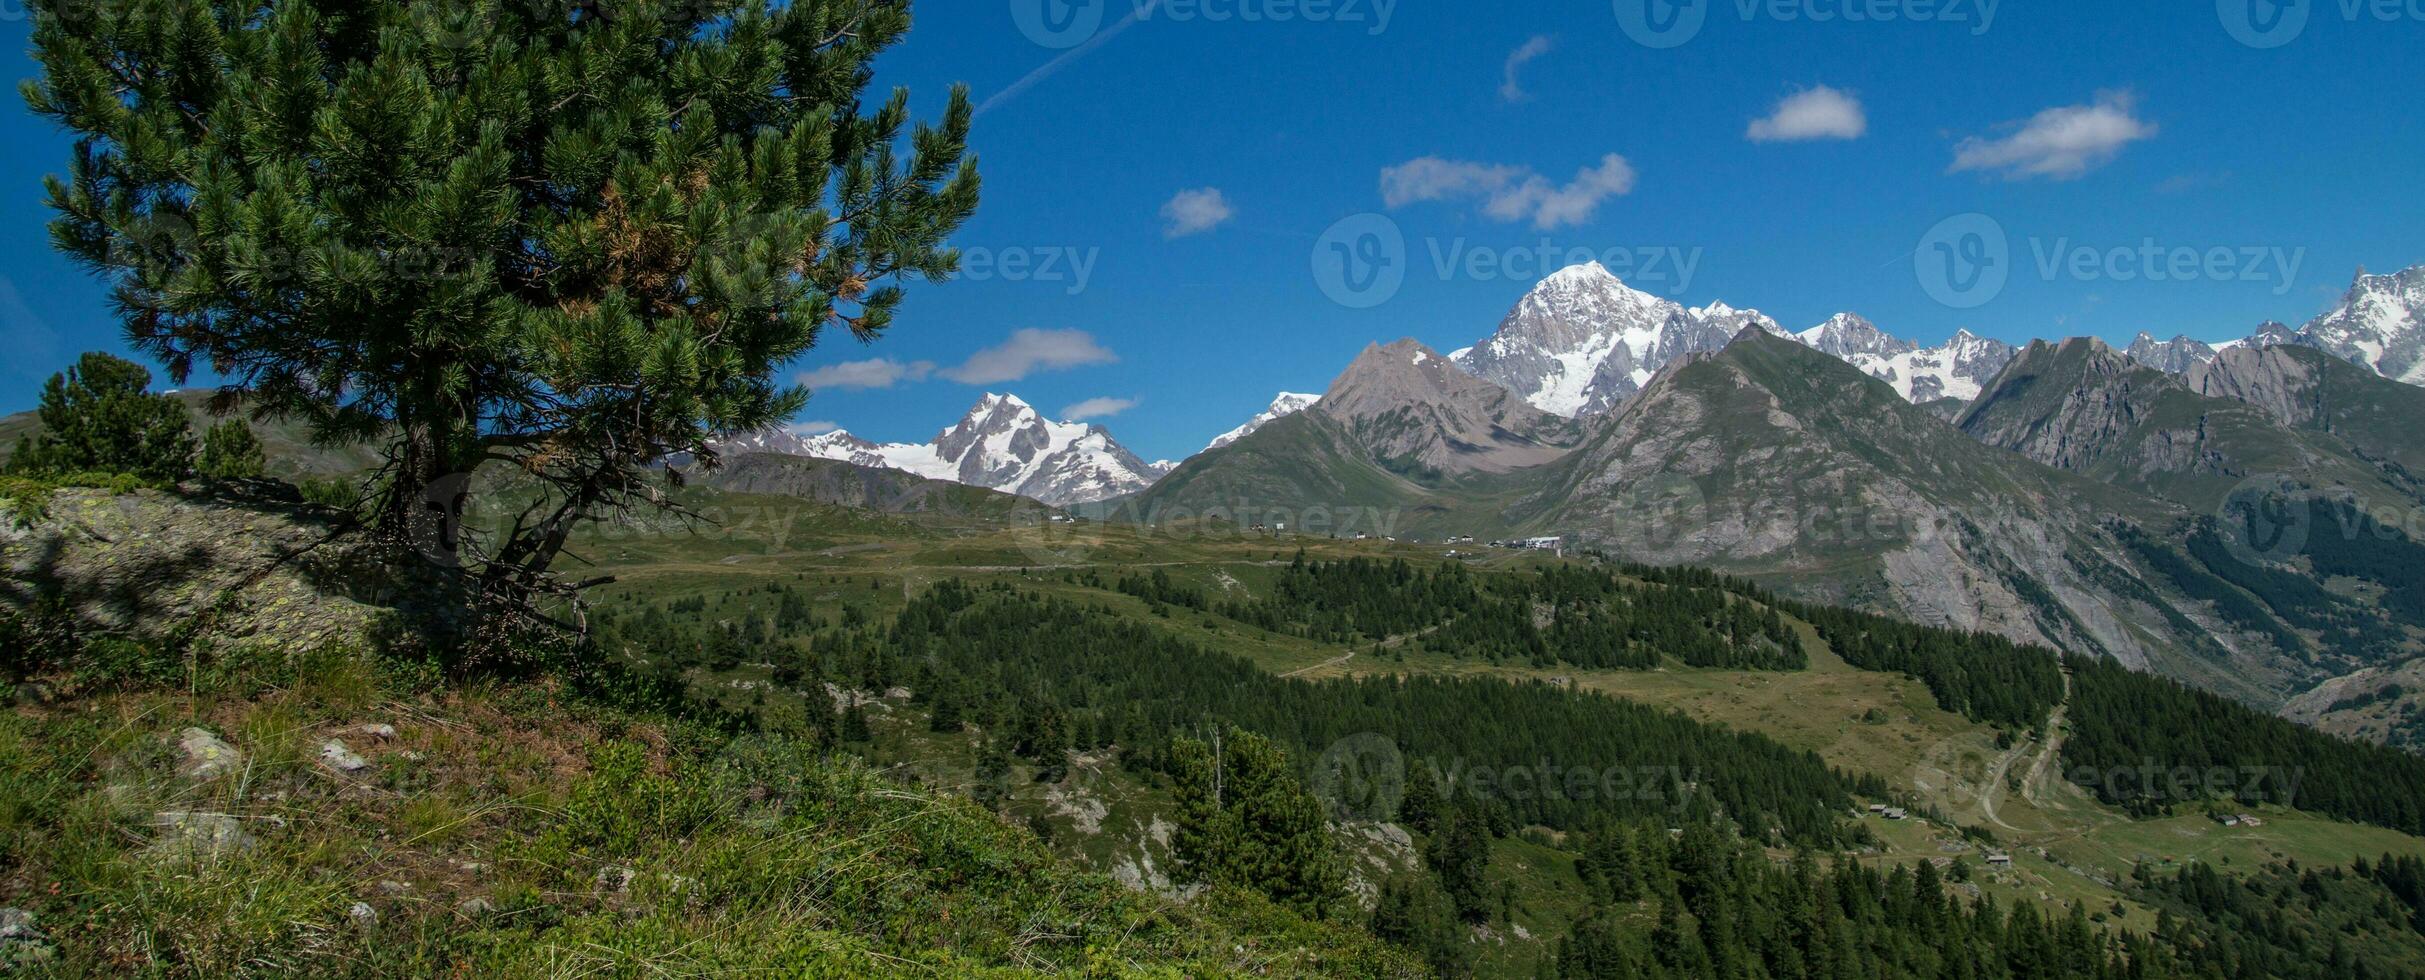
[1582,341]
[1289,403]
[2175,356]
[1848,335]
[1003,444]
[1960,368]
[2380,325]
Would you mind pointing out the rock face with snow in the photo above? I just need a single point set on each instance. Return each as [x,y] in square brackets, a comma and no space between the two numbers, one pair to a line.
[1959,369]
[2175,356]
[1289,403]
[1848,335]
[1582,341]
[1003,444]
[2380,326]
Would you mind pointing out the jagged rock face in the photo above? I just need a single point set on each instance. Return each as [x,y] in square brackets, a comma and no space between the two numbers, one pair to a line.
[2308,389]
[2175,356]
[2067,415]
[1959,369]
[2280,384]
[2085,408]
[1848,335]
[2378,325]
[1287,404]
[1407,404]
[1582,341]
[1773,460]
[1002,444]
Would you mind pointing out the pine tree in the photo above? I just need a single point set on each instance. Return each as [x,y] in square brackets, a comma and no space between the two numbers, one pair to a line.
[576,239]
[854,724]
[230,451]
[101,417]
[1246,819]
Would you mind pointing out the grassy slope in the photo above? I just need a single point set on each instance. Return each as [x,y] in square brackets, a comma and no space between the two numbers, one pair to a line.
[2067,848]
[744,854]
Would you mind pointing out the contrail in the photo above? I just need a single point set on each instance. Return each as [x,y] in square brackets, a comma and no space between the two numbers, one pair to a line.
[1050,67]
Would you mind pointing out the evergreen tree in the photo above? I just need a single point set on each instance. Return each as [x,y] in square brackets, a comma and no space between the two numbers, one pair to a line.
[1246,819]
[101,417]
[575,238]
[230,451]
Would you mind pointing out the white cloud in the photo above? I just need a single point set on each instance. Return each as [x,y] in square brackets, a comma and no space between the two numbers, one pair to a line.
[1512,89]
[883,372]
[1509,192]
[1195,212]
[2062,143]
[814,428]
[1029,351]
[1820,113]
[1097,408]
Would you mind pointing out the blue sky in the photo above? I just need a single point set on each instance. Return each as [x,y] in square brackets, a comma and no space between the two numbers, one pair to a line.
[1154,203]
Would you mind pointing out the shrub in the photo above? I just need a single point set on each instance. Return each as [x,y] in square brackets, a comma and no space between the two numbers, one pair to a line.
[100,416]
[230,451]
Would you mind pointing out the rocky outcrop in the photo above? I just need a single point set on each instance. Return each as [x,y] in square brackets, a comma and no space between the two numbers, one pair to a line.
[246,564]
[2175,356]
[2273,379]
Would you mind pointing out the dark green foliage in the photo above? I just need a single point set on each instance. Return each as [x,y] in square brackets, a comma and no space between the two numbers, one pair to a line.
[1979,676]
[1158,589]
[1411,912]
[1047,663]
[2313,924]
[2133,734]
[101,417]
[572,240]
[2194,581]
[1245,819]
[1724,908]
[1586,617]
[1459,853]
[230,451]
[2344,541]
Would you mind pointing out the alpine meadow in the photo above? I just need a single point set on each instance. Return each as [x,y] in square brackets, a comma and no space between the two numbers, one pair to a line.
[604,488]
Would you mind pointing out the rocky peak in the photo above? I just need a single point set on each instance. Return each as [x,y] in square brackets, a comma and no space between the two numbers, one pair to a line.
[2175,356]
[1582,341]
[2268,377]
[1286,404]
[1848,334]
[1406,402]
